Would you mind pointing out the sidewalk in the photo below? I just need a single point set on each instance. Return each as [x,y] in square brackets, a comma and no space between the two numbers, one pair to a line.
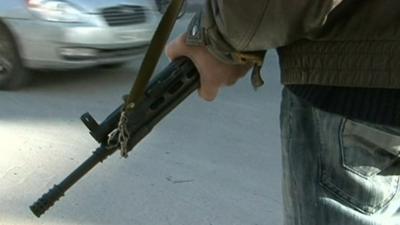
[206,164]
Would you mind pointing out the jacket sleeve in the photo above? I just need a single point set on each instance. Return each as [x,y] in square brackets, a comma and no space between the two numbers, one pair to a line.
[231,26]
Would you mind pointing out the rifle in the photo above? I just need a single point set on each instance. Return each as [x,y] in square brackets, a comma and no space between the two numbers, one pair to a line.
[145,106]
[166,91]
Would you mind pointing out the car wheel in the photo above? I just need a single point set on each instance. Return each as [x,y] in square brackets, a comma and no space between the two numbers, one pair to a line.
[12,72]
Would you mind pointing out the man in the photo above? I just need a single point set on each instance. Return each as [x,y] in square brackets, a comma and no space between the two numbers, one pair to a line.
[340,112]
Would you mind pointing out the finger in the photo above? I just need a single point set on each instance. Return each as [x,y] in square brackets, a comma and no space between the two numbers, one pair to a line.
[208,91]
[172,50]
[236,74]
[231,82]
[208,94]
[176,48]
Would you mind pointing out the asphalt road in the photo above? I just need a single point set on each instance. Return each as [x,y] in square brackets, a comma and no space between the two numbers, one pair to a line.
[205,164]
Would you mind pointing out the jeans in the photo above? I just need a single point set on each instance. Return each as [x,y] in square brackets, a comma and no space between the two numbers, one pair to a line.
[337,171]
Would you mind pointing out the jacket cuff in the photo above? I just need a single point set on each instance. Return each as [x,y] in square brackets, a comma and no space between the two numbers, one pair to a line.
[195,33]
[202,31]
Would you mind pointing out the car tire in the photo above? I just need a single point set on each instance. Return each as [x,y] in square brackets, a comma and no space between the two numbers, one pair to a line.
[13,75]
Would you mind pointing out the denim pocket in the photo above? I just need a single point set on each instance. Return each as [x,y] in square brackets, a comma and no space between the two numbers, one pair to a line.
[352,170]
[368,150]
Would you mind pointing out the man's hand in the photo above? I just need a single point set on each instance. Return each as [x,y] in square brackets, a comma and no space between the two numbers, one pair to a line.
[214,74]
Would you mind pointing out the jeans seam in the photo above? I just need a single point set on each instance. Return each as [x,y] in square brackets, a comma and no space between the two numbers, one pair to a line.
[332,188]
[341,146]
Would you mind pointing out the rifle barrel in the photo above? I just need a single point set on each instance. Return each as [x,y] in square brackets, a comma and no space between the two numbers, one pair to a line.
[54,194]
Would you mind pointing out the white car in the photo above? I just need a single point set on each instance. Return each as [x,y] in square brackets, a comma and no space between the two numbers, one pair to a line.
[67,34]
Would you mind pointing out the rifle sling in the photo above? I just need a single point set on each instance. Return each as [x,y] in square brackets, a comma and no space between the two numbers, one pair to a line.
[153,54]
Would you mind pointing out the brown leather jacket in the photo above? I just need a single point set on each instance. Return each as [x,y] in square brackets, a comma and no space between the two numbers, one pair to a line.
[352,43]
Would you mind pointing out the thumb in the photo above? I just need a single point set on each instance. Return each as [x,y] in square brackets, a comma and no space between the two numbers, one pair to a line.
[177,48]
